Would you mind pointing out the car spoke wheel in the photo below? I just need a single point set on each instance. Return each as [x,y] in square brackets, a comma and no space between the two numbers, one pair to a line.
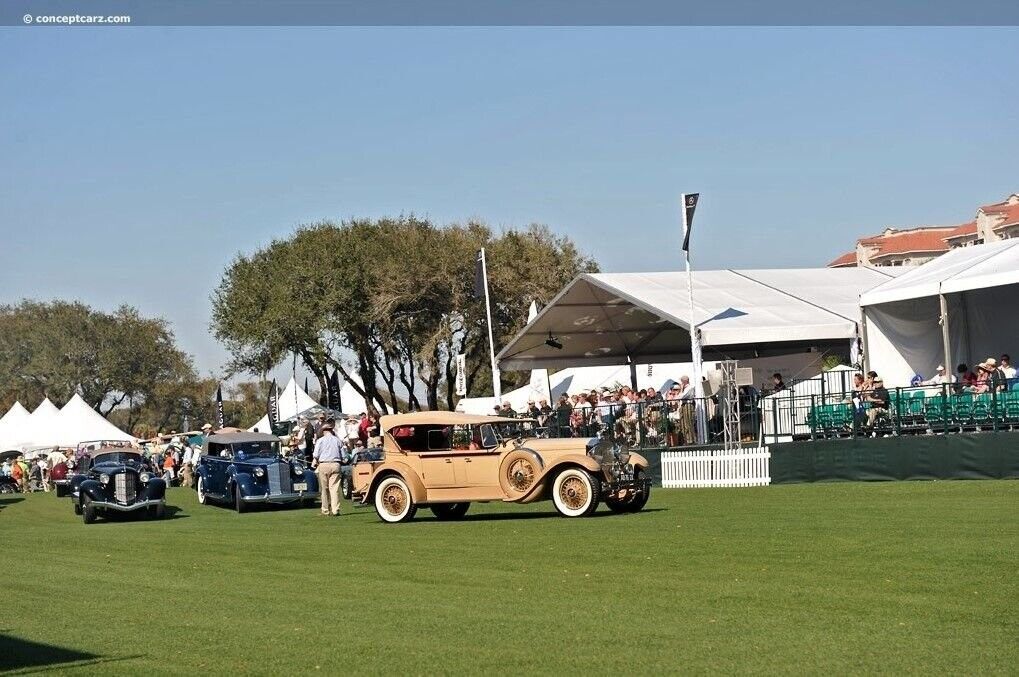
[575,493]
[519,472]
[202,498]
[450,511]
[88,511]
[393,500]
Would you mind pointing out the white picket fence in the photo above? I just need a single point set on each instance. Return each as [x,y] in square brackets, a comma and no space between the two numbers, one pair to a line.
[716,468]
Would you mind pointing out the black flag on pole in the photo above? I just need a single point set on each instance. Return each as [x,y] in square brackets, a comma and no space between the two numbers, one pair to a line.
[479,275]
[272,406]
[333,390]
[689,205]
[220,421]
[305,385]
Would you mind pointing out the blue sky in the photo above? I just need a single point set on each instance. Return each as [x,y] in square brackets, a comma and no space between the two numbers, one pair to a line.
[135,163]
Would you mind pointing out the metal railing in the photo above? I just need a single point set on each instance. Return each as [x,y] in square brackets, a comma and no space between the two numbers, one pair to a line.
[924,409]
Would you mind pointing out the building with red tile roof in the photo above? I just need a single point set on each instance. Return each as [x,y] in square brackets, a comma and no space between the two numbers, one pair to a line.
[914,246]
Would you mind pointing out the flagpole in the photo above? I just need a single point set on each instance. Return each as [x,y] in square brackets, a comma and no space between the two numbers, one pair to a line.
[496,385]
[695,341]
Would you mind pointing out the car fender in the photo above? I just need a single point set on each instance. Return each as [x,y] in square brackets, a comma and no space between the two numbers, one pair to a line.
[414,483]
[245,481]
[582,460]
[638,461]
[91,488]
[154,489]
[311,479]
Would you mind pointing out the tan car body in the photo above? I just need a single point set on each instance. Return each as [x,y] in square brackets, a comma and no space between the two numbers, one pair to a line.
[459,476]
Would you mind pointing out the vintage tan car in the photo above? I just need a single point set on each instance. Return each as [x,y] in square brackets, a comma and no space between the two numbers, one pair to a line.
[447,460]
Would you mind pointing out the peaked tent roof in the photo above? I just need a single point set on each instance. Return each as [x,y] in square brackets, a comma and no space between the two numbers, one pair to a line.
[12,420]
[40,428]
[603,319]
[83,423]
[964,269]
[292,401]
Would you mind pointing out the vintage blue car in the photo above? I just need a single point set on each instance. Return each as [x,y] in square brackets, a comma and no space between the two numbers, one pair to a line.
[243,468]
[115,480]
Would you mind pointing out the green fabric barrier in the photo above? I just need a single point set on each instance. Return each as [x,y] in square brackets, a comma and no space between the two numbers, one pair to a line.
[985,455]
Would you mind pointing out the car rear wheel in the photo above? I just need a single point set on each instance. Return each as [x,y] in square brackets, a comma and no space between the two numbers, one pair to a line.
[239,504]
[575,493]
[346,487]
[393,501]
[635,500]
[450,511]
[88,511]
[202,498]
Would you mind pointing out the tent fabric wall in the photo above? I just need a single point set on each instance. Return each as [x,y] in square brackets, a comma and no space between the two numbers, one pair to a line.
[83,423]
[11,421]
[292,401]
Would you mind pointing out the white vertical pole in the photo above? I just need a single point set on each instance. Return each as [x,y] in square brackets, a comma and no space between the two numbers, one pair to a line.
[496,385]
[695,343]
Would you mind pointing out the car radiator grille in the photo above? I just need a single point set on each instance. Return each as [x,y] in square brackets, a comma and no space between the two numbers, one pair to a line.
[279,478]
[124,487]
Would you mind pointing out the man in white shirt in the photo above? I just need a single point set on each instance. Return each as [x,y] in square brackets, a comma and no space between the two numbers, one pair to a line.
[1007,368]
[940,377]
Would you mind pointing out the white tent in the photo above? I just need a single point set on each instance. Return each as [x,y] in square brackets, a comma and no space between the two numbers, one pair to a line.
[41,428]
[957,308]
[292,401]
[82,423]
[784,414]
[644,318]
[11,421]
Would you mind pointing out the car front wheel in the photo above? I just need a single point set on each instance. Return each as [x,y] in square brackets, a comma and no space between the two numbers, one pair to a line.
[88,511]
[635,500]
[393,501]
[201,490]
[239,504]
[77,508]
[575,493]
[450,511]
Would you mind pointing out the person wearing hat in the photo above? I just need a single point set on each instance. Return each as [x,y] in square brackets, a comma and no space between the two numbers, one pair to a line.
[996,380]
[326,461]
[877,397]
[940,377]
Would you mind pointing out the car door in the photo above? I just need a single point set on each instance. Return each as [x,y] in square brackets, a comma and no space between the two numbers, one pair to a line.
[437,466]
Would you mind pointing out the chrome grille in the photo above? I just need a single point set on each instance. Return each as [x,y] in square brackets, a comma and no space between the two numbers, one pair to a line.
[279,478]
[124,487]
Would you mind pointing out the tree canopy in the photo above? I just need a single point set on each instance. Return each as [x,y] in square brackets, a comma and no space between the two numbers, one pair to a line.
[389,300]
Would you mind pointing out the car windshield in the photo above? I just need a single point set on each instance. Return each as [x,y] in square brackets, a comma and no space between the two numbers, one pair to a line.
[255,449]
[117,457]
[489,438]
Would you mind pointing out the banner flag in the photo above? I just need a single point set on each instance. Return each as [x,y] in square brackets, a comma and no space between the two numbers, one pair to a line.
[333,390]
[461,375]
[220,421]
[689,205]
[479,275]
[272,405]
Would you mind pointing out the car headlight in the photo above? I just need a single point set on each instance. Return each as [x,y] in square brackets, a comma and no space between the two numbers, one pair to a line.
[259,472]
[145,477]
[104,479]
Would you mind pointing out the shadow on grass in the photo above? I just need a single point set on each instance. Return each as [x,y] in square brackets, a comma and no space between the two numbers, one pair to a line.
[496,516]
[172,512]
[18,656]
[10,500]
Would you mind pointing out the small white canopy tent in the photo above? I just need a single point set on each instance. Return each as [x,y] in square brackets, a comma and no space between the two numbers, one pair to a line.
[11,421]
[82,423]
[292,401]
[960,307]
[644,318]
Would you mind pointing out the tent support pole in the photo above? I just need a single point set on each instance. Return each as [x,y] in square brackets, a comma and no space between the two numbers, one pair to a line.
[633,372]
[945,334]
[865,363]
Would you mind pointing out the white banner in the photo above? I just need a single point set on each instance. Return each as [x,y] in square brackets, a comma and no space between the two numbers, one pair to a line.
[461,375]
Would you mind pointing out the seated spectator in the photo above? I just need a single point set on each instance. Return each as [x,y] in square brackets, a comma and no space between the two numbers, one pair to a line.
[966,377]
[877,397]
[995,376]
[939,377]
[1007,368]
[777,383]
[982,383]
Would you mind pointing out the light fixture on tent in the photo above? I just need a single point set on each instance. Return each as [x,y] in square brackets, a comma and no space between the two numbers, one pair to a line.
[553,342]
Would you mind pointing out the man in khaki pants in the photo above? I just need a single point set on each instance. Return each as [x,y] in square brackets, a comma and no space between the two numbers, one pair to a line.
[327,458]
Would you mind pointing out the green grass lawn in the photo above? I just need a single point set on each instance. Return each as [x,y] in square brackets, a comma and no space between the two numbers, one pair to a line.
[837,578]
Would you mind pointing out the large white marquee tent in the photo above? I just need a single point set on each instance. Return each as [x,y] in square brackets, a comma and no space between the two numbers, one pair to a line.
[49,426]
[644,318]
[958,308]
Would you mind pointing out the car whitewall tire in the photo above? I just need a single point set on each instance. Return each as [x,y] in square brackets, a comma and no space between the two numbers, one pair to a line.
[393,501]
[575,493]
[201,490]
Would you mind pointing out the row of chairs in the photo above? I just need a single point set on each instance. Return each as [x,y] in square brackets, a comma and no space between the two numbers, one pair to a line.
[915,411]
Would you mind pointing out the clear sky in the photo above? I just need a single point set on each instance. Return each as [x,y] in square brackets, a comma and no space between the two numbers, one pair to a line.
[135,163]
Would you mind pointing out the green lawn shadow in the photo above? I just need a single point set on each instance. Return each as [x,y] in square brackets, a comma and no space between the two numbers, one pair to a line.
[20,656]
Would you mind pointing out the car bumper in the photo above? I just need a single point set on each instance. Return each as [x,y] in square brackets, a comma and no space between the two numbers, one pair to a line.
[280,498]
[106,505]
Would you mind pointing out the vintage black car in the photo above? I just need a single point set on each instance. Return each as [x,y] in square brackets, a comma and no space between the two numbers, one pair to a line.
[243,468]
[115,480]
